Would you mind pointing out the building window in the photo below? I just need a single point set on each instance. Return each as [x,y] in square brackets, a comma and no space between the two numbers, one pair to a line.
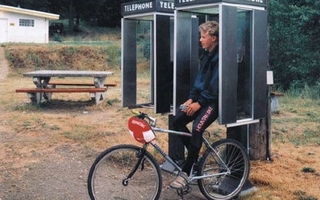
[26,22]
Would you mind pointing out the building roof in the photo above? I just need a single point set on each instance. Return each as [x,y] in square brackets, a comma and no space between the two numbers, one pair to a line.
[28,12]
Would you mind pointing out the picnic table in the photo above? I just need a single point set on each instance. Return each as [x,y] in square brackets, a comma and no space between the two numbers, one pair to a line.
[44,87]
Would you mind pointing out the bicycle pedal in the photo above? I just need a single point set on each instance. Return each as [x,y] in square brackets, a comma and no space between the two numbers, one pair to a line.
[184,191]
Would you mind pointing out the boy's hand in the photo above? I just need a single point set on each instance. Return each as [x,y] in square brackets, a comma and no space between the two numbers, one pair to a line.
[192,108]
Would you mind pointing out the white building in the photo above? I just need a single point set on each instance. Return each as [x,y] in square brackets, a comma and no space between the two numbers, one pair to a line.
[23,25]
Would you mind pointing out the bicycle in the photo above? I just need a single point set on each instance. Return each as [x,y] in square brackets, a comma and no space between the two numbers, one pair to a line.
[127,171]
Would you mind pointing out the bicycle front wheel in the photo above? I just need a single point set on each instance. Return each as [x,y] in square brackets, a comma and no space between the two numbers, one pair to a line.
[229,166]
[108,175]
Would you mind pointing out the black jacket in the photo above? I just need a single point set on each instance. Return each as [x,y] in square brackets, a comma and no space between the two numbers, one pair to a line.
[206,85]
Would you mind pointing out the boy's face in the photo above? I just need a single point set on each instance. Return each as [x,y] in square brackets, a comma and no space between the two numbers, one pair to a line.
[207,41]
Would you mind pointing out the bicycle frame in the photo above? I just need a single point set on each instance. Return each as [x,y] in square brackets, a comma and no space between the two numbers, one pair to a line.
[169,159]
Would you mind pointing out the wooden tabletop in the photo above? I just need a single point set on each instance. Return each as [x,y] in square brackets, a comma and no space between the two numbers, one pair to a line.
[67,73]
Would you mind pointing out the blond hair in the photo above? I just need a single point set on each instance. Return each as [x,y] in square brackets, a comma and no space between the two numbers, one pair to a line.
[211,27]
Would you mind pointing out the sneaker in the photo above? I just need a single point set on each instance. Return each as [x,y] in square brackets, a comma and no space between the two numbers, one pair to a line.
[180,182]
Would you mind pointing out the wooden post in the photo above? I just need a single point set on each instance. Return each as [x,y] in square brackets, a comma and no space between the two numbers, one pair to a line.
[258,140]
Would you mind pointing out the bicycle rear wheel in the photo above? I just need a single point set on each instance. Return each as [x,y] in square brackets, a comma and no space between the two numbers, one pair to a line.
[107,175]
[223,186]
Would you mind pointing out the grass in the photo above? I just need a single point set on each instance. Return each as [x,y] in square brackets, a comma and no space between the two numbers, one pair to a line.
[296,142]
[301,124]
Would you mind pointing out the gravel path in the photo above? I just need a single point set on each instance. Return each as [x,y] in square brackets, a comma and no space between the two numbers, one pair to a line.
[60,175]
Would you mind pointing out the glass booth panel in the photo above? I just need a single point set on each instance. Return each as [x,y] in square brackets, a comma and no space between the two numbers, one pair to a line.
[244,60]
[136,62]
[147,62]
[144,58]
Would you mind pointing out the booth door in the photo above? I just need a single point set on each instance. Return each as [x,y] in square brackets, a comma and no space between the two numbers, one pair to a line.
[163,63]
[243,64]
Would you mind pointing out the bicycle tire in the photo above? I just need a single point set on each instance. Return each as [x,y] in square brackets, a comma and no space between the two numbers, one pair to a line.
[222,187]
[111,167]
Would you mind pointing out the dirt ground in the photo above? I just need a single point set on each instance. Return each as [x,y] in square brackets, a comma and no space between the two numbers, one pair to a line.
[46,152]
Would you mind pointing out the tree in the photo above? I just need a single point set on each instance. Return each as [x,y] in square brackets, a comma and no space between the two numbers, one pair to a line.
[105,12]
[294,53]
[109,13]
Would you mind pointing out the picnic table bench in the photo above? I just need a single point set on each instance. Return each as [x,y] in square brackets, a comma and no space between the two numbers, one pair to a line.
[44,88]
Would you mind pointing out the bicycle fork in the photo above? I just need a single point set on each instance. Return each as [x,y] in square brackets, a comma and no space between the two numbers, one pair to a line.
[140,154]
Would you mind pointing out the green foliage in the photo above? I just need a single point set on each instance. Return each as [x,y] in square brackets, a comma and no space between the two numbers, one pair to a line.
[114,55]
[144,39]
[294,42]
[57,38]
[301,195]
[299,89]
[308,170]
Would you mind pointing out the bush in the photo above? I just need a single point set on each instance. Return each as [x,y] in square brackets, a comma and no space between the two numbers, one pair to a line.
[300,89]
[33,57]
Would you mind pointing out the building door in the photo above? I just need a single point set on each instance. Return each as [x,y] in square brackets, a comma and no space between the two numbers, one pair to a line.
[3,30]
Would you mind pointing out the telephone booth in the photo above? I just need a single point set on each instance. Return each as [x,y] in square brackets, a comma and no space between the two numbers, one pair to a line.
[147,50]
[242,59]
[242,62]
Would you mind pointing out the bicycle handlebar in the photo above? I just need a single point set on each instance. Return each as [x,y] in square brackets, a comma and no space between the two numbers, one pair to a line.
[136,112]
[152,121]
